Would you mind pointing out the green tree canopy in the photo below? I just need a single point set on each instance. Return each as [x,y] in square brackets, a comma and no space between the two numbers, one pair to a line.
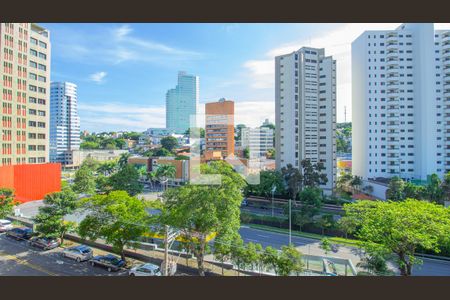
[117,217]
[7,202]
[50,219]
[401,227]
[126,179]
[201,210]
[84,181]
[169,143]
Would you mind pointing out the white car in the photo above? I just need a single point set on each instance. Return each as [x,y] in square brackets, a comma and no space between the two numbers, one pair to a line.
[5,225]
[145,270]
[78,253]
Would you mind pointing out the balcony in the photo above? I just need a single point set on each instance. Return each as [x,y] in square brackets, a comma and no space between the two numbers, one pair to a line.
[446,61]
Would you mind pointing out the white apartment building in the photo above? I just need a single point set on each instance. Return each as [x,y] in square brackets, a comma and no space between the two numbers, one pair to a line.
[258,140]
[401,103]
[182,102]
[305,110]
[64,122]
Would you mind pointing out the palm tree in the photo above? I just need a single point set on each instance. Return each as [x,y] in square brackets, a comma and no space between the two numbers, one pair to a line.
[165,172]
[123,160]
[356,183]
[151,176]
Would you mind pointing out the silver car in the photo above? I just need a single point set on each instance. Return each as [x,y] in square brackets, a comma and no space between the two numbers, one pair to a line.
[5,225]
[145,270]
[79,253]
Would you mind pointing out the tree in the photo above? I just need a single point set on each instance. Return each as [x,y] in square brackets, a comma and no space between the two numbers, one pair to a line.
[117,217]
[343,181]
[271,153]
[270,259]
[222,248]
[374,261]
[247,153]
[90,163]
[7,202]
[238,253]
[293,179]
[433,190]
[325,222]
[289,261]
[395,189]
[268,180]
[108,167]
[401,227]
[356,183]
[446,187]
[325,245]
[163,152]
[411,190]
[127,179]
[201,210]
[164,172]
[169,143]
[312,176]
[347,225]
[85,145]
[50,219]
[84,181]
[311,202]
[123,160]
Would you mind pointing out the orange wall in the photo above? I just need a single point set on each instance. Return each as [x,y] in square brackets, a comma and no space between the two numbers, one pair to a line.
[32,181]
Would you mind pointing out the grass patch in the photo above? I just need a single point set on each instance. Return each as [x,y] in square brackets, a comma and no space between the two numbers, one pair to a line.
[336,240]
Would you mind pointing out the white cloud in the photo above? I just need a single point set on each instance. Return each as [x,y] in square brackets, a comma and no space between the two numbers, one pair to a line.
[122,31]
[115,116]
[98,77]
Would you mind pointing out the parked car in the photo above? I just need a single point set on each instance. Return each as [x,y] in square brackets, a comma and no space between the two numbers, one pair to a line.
[44,243]
[20,233]
[109,261]
[244,202]
[145,270]
[5,225]
[78,253]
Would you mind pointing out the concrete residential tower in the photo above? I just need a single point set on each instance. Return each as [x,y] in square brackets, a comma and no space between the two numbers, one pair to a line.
[401,103]
[25,88]
[182,102]
[219,129]
[64,122]
[305,110]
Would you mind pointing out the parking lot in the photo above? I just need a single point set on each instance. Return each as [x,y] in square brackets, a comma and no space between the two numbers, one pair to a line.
[17,258]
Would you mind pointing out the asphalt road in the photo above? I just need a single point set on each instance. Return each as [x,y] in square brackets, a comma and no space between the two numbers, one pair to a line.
[430,267]
[19,259]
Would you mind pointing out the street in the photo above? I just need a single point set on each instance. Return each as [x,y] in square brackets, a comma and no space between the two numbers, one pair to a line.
[430,267]
[19,259]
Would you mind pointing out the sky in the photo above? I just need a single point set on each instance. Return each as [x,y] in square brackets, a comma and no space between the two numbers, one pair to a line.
[123,71]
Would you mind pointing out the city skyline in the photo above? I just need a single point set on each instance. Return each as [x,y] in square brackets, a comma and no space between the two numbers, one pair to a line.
[136,65]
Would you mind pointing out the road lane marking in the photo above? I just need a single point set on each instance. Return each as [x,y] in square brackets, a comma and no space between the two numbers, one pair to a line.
[25,263]
[263,236]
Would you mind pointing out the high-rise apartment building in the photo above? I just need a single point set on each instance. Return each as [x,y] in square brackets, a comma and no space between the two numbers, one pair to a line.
[219,128]
[257,140]
[25,85]
[305,110]
[401,102]
[182,102]
[64,122]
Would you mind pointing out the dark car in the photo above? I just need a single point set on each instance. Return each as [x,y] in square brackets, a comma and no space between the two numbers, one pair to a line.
[20,233]
[110,262]
[44,243]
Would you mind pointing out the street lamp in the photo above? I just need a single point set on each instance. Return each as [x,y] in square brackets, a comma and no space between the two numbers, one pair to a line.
[290,221]
[274,188]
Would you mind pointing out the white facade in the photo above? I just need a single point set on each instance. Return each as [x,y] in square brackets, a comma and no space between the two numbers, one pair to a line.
[258,140]
[182,102]
[401,102]
[305,110]
[64,122]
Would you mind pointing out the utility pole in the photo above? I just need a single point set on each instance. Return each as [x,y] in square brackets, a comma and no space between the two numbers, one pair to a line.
[290,239]
[273,191]
[166,251]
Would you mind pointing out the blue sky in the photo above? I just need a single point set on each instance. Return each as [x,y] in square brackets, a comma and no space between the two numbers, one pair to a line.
[124,70]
